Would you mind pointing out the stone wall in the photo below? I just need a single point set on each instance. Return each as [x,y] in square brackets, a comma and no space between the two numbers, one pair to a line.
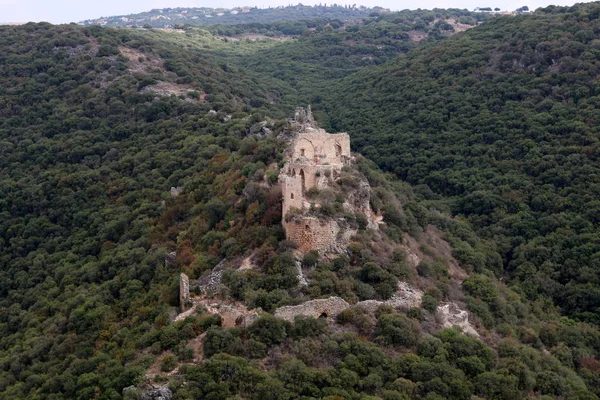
[321,308]
[311,233]
[320,147]
[184,290]
[297,178]
[405,297]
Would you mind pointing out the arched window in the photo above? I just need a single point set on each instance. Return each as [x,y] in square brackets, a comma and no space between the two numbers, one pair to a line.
[303,152]
[291,195]
[338,150]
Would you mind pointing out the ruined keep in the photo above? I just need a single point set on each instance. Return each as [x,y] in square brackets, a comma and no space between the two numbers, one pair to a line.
[315,160]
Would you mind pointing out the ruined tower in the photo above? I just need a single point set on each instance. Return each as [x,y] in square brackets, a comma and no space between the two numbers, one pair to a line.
[316,159]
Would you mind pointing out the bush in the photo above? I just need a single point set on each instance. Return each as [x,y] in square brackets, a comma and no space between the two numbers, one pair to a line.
[308,326]
[168,363]
[481,286]
[310,259]
[269,330]
[430,303]
[357,317]
[397,330]
[217,340]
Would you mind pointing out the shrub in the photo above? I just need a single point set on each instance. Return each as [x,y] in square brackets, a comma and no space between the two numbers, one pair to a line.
[217,341]
[415,313]
[269,330]
[310,259]
[397,330]
[308,326]
[480,286]
[357,317]
[168,363]
[186,354]
[429,303]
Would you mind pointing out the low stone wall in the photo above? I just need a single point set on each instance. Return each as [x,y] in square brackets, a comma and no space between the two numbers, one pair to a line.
[406,296]
[321,308]
[448,314]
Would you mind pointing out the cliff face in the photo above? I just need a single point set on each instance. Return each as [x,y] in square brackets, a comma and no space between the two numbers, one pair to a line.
[318,186]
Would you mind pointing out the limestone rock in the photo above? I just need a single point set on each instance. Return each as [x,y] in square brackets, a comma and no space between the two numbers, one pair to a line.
[300,275]
[160,393]
[320,308]
[170,258]
[406,296]
[260,129]
[211,282]
[451,315]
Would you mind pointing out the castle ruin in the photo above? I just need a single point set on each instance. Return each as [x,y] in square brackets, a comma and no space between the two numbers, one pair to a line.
[316,159]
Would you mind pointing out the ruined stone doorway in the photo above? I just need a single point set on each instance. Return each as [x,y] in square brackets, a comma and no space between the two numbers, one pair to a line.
[338,150]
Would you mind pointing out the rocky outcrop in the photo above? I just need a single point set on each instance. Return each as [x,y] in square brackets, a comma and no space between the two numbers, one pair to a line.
[321,308]
[300,275]
[176,191]
[406,297]
[157,393]
[451,315]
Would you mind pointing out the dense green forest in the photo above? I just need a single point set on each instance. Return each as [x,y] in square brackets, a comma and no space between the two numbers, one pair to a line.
[502,122]
[487,136]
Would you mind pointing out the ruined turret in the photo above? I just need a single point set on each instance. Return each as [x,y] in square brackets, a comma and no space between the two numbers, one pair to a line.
[305,117]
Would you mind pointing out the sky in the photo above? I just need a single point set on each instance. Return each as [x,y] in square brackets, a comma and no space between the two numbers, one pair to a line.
[65,11]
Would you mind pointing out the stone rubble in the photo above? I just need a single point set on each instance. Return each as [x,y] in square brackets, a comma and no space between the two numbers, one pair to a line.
[451,315]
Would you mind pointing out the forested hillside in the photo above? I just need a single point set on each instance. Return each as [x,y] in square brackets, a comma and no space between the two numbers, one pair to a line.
[336,49]
[502,122]
[206,16]
[128,156]
[88,155]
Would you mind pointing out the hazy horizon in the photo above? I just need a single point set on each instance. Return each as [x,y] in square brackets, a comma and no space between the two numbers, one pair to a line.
[66,11]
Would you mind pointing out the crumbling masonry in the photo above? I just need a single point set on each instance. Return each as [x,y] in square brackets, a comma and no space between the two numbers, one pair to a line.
[316,159]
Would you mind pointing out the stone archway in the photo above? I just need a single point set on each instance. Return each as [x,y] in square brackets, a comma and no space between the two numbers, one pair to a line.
[338,150]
